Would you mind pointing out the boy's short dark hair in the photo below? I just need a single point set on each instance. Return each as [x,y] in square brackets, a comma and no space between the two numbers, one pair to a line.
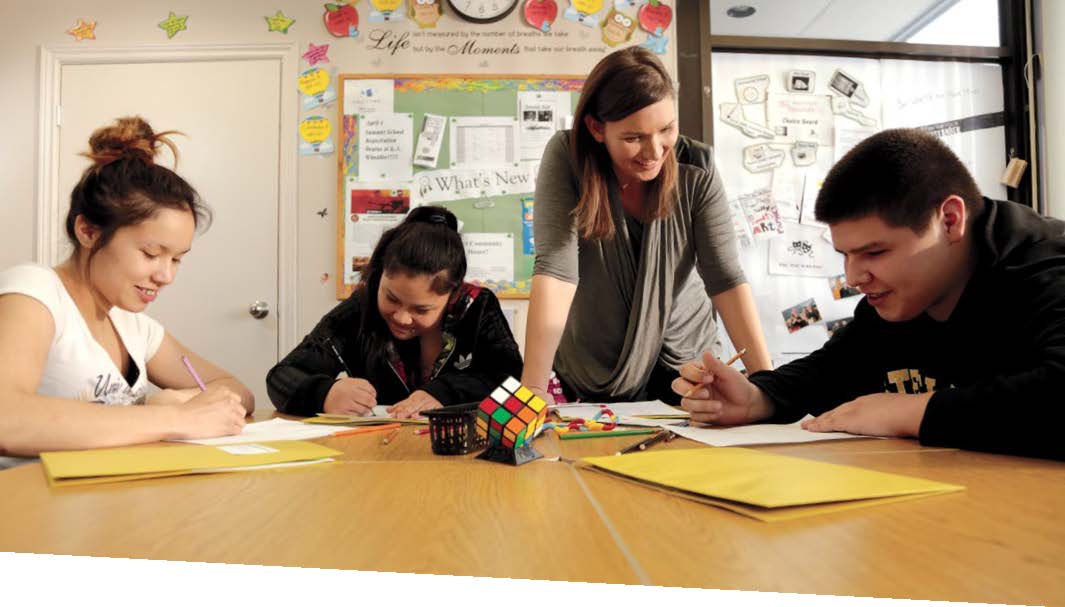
[900,175]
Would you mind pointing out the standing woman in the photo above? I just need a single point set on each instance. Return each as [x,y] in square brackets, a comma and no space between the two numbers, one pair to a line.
[73,338]
[620,226]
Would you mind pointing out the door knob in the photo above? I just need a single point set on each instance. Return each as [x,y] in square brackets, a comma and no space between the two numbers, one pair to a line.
[259,309]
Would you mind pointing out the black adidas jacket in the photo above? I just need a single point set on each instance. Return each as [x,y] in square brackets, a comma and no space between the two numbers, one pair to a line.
[479,353]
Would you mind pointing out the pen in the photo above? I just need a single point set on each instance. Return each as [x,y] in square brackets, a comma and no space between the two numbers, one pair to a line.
[664,435]
[192,372]
[339,357]
[391,435]
[701,385]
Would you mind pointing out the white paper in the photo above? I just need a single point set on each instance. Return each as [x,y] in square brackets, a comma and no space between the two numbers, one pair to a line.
[386,143]
[629,409]
[803,252]
[799,117]
[369,96]
[478,141]
[448,185]
[427,150]
[757,434]
[271,430]
[539,117]
[848,137]
[489,256]
[762,214]
[649,422]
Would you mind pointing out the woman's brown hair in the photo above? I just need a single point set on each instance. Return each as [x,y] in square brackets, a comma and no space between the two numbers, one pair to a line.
[624,82]
[124,186]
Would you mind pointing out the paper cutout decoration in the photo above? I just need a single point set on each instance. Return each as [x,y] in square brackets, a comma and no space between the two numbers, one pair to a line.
[510,418]
[583,11]
[314,136]
[425,12]
[732,114]
[628,4]
[279,23]
[84,30]
[173,24]
[655,17]
[341,20]
[617,27]
[316,54]
[541,14]
[760,157]
[850,87]
[656,44]
[385,11]
[317,86]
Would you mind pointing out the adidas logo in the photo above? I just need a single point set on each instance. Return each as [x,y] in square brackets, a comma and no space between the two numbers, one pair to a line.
[464,361]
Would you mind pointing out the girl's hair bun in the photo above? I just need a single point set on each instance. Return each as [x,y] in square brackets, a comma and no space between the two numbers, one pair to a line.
[129,138]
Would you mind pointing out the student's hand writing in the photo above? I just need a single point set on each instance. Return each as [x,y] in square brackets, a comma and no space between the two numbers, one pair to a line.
[726,398]
[418,401]
[216,412]
[350,396]
[172,396]
[874,415]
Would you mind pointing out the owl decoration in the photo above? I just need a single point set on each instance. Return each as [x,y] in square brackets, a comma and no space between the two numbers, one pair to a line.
[617,27]
[425,12]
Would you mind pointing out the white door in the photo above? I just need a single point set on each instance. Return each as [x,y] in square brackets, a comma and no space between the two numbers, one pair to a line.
[230,113]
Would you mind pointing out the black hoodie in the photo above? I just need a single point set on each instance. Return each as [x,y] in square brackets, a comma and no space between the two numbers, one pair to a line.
[997,365]
[479,353]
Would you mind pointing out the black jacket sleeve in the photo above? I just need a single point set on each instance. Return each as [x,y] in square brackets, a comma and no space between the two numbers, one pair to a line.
[827,377]
[494,352]
[1021,412]
[299,383]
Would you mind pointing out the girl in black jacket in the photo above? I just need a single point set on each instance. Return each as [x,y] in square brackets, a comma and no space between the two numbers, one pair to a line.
[413,335]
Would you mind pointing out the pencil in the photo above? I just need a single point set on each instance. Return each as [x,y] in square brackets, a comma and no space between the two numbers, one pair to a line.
[645,443]
[195,376]
[367,430]
[339,357]
[701,385]
[391,435]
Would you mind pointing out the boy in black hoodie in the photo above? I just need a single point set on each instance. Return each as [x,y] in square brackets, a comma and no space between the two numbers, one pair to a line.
[960,338]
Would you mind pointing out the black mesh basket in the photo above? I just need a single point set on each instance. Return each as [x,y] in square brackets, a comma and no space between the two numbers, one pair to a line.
[453,430]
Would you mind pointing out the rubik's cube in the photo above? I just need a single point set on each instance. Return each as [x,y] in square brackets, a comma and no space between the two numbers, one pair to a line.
[509,418]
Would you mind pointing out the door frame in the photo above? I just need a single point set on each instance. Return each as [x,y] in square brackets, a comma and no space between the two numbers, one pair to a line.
[52,60]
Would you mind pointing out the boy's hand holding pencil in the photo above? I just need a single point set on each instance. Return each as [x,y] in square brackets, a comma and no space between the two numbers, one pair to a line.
[715,393]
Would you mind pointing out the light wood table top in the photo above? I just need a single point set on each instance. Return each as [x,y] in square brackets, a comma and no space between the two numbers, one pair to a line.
[397,507]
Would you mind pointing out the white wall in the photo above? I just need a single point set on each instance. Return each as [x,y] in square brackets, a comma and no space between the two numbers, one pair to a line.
[1052,127]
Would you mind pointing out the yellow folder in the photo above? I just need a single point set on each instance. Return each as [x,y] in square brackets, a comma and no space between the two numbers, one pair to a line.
[765,486]
[64,468]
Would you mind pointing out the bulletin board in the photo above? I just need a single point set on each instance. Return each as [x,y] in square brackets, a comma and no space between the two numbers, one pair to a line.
[490,193]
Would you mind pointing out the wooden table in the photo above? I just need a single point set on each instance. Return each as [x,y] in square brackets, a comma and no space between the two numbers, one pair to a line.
[399,508]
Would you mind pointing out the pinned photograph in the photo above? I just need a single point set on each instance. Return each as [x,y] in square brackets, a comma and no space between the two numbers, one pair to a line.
[804,153]
[835,325]
[801,315]
[840,289]
[799,81]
